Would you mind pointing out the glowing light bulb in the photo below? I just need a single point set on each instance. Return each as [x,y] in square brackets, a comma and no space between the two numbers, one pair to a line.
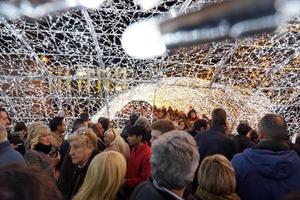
[143,40]
[147,4]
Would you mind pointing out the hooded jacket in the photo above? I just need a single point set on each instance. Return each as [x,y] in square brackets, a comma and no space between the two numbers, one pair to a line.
[264,174]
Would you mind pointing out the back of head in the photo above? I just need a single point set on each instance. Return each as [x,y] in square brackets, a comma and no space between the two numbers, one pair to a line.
[174,159]
[218,117]
[26,183]
[133,118]
[20,126]
[243,129]
[273,127]
[3,134]
[216,179]
[137,130]
[199,124]
[84,116]
[55,122]
[104,122]
[143,121]
[77,124]
[104,177]
[163,125]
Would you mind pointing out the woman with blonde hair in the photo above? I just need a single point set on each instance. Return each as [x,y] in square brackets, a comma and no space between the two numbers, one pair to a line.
[39,154]
[216,179]
[104,177]
[115,142]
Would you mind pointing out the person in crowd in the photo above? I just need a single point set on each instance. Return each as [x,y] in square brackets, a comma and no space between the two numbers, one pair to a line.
[83,148]
[132,119]
[4,118]
[58,127]
[17,138]
[39,155]
[192,116]
[143,121]
[105,122]
[200,125]
[216,179]
[182,125]
[160,127]
[241,141]
[86,119]
[26,183]
[115,142]
[174,160]
[98,129]
[7,153]
[270,170]
[214,140]
[253,136]
[139,162]
[31,133]
[104,178]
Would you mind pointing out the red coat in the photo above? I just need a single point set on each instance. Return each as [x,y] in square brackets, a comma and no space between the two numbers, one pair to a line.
[138,169]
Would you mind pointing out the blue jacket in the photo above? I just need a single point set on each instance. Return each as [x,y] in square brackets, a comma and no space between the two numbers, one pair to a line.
[9,155]
[265,174]
[214,141]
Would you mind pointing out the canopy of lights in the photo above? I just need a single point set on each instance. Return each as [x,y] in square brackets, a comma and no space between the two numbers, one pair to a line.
[73,60]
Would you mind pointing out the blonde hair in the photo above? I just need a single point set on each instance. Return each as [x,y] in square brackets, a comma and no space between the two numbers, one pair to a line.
[85,136]
[35,131]
[104,177]
[216,179]
[118,144]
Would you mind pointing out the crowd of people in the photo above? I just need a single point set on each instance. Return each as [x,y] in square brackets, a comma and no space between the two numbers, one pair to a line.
[177,156]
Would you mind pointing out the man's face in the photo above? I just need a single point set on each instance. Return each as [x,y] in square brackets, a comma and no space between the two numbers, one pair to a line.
[134,140]
[4,120]
[79,153]
[154,135]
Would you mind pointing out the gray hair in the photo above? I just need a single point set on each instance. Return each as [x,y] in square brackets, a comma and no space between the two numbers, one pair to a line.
[3,134]
[174,159]
[143,121]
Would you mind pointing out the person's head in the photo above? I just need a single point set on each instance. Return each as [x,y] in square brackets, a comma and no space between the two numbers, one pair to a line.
[216,179]
[3,134]
[104,123]
[136,135]
[192,114]
[160,127]
[98,129]
[243,129]
[58,124]
[143,121]
[110,135]
[104,177]
[77,124]
[182,125]
[200,125]
[82,144]
[20,126]
[86,118]
[218,117]
[40,134]
[133,118]
[174,159]
[26,183]
[4,118]
[273,127]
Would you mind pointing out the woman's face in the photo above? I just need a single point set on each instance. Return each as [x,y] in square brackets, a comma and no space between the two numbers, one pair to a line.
[181,126]
[45,139]
[108,138]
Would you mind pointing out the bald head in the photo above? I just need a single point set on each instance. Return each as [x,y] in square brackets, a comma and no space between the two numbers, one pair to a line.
[273,127]
[3,134]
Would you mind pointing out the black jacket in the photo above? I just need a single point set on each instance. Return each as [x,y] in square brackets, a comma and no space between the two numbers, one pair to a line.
[147,191]
[241,143]
[214,141]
